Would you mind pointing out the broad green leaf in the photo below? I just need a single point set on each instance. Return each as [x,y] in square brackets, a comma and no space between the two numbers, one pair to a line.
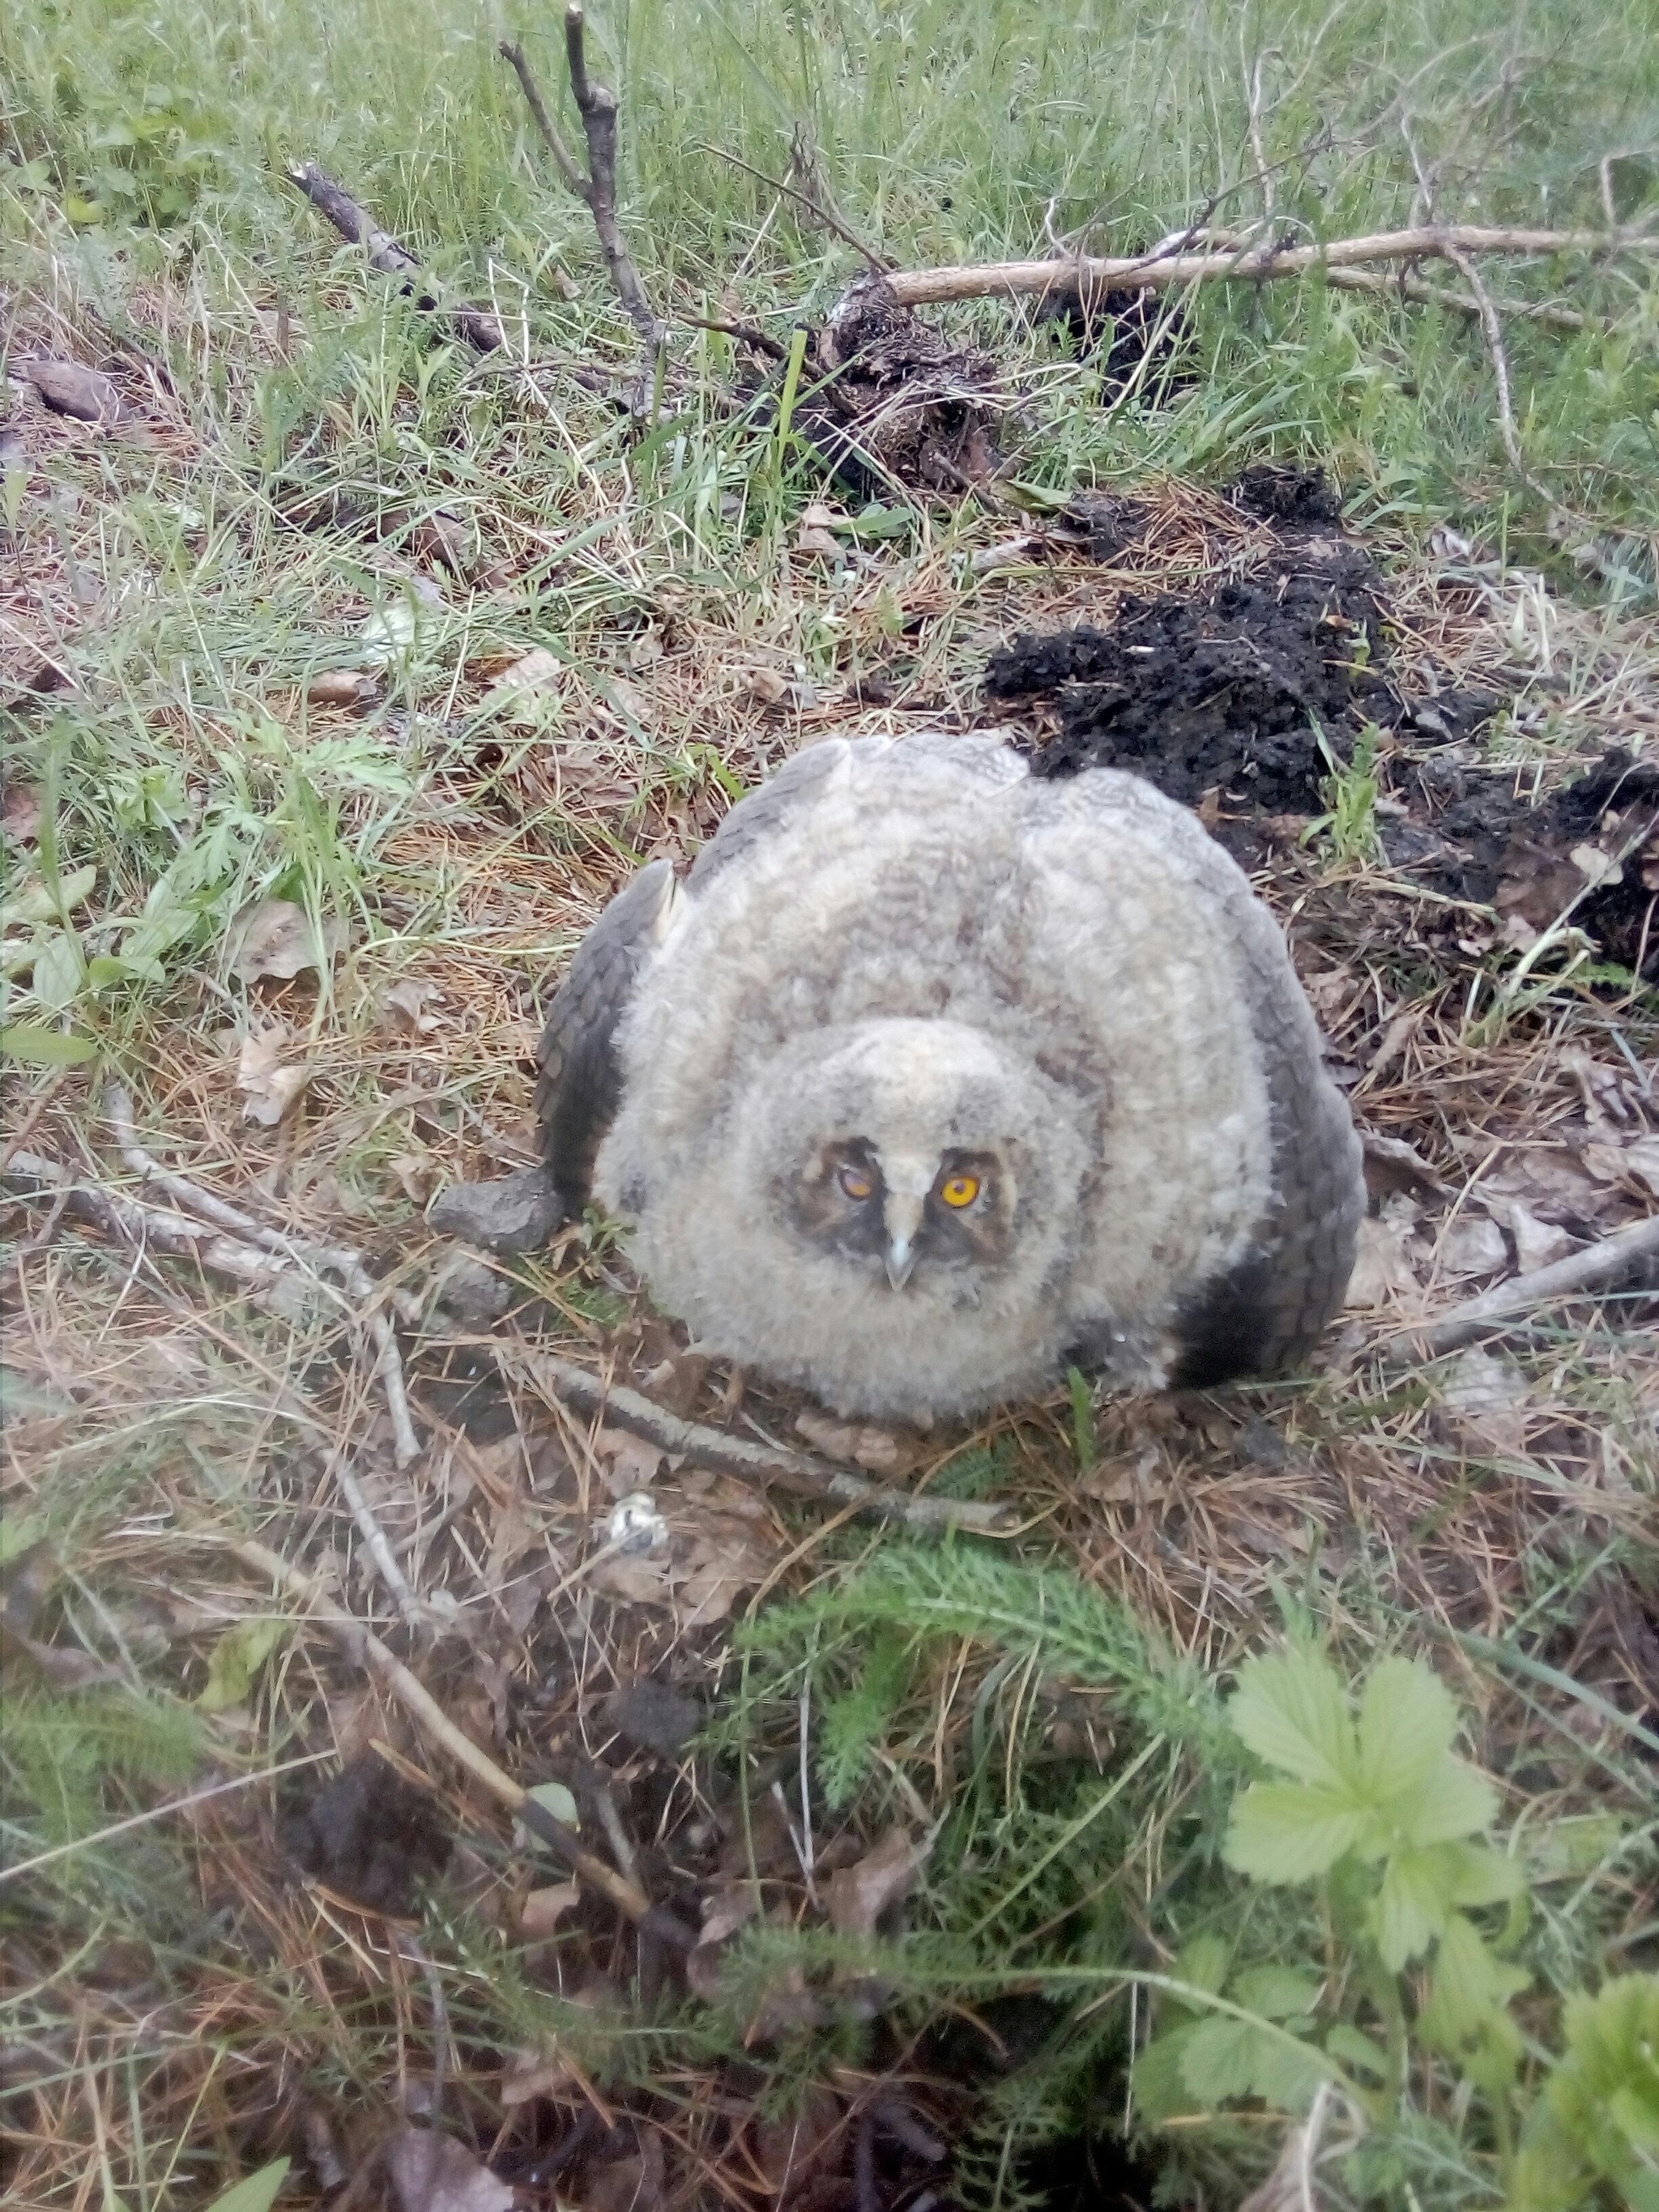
[1452,1800]
[1223,2059]
[1411,1907]
[1292,1713]
[45,901]
[1358,2051]
[1466,2014]
[1158,2078]
[1476,1874]
[237,1657]
[35,1045]
[1275,1992]
[1407,1721]
[1281,1832]
[1204,1963]
[60,973]
[257,2193]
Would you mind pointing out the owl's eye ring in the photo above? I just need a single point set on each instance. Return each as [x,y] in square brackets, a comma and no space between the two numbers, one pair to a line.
[855,1184]
[959,1191]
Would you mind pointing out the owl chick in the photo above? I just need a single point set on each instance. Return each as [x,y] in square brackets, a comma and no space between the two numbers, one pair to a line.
[935,1077]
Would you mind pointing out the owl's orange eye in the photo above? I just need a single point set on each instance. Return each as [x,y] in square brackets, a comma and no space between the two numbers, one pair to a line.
[855,1184]
[959,1190]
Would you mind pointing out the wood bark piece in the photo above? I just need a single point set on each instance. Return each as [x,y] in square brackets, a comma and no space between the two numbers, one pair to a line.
[596,105]
[363,1644]
[754,1462]
[1085,275]
[476,324]
[1595,1269]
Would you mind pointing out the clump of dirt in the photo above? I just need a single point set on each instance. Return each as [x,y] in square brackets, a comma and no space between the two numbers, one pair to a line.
[368,1835]
[1119,330]
[896,401]
[1220,693]
[1292,498]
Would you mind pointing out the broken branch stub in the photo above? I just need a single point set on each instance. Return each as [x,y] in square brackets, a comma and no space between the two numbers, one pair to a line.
[386,255]
[598,106]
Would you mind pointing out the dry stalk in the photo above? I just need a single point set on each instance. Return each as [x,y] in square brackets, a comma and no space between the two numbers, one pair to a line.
[1087,273]
[362,1643]
[758,1463]
[1596,1268]
[596,105]
[301,1251]
[476,324]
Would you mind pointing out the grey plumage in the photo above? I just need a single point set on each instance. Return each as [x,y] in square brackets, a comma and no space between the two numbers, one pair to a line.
[936,1076]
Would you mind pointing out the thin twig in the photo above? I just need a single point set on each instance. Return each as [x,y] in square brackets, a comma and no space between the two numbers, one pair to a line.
[1086,274]
[418,1701]
[596,105]
[1595,1269]
[476,325]
[1439,295]
[831,221]
[37,1106]
[302,1251]
[761,1464]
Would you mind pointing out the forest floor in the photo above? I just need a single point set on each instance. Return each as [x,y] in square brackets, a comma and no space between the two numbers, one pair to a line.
[349,671]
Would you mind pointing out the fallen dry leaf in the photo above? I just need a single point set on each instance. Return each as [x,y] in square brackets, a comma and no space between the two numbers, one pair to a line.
[855,1896]
[275,939]
[20,814]
[1473,1245]
[340,687]
[630,1462]
[432,2172]
[816,537]
[418,1174]
[1485,1399]
[69,389]
[520,692]
[1641,1162]
[268,1088]
[1382,1272]
[1537,1243]
[543,1910]
[766,685]
[409,1002]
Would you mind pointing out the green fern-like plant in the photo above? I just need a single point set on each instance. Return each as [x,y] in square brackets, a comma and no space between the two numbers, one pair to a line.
[855,1721]
[1597,2121]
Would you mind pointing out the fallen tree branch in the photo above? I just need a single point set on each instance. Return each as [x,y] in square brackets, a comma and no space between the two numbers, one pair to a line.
[476,325]
[363,1644]
[1087,273]
[758,1463]
[301,1250]
[1439,295]
[596,105]
[848,236]
[1595,1269]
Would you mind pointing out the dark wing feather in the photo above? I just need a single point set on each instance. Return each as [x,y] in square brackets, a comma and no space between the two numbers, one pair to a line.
[1266,1312]
[581,1080]
[767,808]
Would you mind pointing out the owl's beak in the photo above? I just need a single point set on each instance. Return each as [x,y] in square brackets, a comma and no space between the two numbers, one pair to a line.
[903,1218]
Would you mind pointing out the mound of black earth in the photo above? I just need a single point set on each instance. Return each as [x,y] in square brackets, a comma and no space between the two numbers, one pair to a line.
[1228,692]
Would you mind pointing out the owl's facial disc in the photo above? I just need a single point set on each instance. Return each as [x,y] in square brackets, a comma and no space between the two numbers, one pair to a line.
[895,1207]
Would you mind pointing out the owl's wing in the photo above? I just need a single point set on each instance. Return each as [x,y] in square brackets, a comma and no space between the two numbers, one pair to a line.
[576,1095]
[1266,1313]
[802,778]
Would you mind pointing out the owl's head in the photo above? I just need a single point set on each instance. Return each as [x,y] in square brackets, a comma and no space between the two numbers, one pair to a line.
[919,1155]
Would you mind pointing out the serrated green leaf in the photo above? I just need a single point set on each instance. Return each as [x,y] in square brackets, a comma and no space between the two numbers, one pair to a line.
[1411,1906]
[1292,1713]
[1466,2016]
[1204,1962]
[1452,1800]
[236,1659]
[1357,2051]
[1157,2078]
[1281,1832]
[257,2193]
[1275,1992]
[59,972]
[1407,1720]
[33,1045]
[1224,2058]
[1476,1874]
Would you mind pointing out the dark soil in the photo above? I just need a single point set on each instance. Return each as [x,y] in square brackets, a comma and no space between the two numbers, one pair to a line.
[1216,694]
[1238,701]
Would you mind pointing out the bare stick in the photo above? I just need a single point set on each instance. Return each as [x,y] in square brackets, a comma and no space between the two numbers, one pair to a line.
[1086,274]
[1592,1269]
[877,266]
[337,1260]
[418,1701]
[476,325]
[1492,328]
[1437,295]
[596,105]
[758,1463]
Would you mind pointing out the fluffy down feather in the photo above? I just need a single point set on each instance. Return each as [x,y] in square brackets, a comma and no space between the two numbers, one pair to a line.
[904,961]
